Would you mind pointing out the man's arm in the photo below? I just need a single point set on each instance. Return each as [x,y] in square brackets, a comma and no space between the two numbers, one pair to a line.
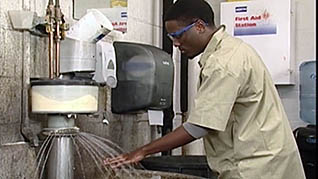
[176,138]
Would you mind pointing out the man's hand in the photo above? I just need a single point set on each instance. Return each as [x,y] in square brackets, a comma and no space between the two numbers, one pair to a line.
[170,141]
[128,158]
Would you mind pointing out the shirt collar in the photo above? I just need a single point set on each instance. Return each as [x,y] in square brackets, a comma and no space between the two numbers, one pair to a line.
[212,45]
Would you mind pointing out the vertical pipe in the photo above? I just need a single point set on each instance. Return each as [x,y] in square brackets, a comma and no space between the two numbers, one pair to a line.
[167,47]
[184,92]
[26,131]
[61,160]
[51,55]
[50,28]
[184,84]
[57,60]
[58,20]
[60,121]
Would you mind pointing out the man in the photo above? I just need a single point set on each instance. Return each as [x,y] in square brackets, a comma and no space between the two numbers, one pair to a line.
[237,109]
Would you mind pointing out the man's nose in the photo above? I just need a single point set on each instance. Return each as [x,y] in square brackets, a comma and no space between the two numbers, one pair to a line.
[176,43]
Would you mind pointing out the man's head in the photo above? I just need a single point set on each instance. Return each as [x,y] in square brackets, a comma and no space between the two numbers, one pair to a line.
[190,24]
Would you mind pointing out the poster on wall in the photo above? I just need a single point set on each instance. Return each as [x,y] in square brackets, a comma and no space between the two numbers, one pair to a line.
[118,16]
[260,22]
[114,10]
[267,25]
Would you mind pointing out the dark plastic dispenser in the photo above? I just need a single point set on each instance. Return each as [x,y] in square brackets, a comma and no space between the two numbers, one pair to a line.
[145,78]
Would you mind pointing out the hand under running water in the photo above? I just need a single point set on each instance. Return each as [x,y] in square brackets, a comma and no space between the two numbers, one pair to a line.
[128,158]
[174,139]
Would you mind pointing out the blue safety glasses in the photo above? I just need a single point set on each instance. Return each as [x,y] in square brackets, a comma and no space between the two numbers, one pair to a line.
[178,34]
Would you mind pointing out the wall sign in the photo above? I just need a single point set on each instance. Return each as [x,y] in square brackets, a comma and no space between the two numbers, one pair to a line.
[114,10]
[269,27]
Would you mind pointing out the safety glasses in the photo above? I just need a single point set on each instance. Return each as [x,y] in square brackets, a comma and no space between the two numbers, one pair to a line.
[178,34]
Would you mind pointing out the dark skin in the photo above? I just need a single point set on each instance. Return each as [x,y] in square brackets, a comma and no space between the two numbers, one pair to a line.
[194,41]
[191,43]
[174,139]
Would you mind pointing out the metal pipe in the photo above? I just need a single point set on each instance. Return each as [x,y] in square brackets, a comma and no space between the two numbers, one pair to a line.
[57,53]
[50,31]
[57,3]
[61,159]
[26,131]
[60,121]
[51,55]
[58,37]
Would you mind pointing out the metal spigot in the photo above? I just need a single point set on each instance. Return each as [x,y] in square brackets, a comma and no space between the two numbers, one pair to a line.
[56,28]
[69,116]
[105,120]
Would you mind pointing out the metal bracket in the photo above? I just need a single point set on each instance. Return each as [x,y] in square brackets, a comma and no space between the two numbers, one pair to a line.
[28,20]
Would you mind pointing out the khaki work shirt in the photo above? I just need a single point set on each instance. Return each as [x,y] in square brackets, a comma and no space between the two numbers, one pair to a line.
[251,136]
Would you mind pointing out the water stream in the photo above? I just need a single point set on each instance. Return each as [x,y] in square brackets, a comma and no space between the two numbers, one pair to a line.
[86,160]
[80,156]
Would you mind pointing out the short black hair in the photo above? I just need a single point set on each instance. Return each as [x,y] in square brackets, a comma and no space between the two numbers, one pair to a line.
[187,11]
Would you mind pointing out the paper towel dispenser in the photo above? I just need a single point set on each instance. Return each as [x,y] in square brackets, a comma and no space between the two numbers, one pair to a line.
[145,78]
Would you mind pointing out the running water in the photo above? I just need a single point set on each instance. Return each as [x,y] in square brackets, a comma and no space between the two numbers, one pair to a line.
[86,160]
[78,155]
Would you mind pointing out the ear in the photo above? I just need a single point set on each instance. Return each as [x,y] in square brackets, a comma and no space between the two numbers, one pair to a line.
[200,26]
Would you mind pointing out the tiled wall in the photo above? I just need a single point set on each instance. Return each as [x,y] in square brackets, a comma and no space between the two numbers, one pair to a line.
[10,75]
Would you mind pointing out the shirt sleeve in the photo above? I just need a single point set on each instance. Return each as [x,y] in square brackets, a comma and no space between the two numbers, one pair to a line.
[195,130]
[215,97]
